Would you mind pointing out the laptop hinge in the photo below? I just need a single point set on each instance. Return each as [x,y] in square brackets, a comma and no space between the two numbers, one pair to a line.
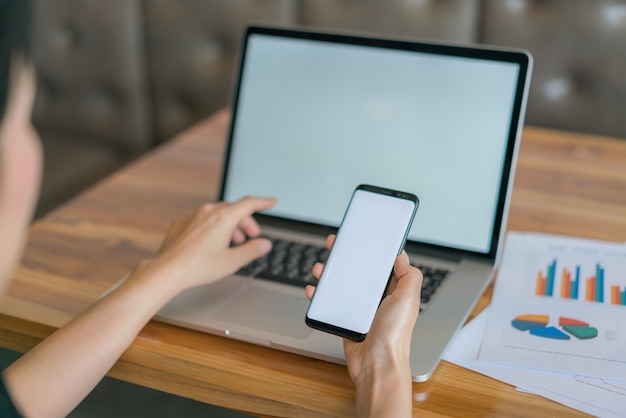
[445,253]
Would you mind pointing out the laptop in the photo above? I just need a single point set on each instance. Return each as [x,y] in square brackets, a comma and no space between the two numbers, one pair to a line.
[316,114]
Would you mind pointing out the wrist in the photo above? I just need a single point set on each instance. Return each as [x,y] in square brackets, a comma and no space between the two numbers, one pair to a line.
[385,390]
[158,279]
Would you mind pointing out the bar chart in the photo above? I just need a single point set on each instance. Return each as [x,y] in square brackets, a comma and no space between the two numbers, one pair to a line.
[574,284]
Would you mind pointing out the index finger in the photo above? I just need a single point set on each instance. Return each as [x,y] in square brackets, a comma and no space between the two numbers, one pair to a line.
[246,206]
[330,240]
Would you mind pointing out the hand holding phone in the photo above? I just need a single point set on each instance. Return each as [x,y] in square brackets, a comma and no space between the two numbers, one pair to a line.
[360,263]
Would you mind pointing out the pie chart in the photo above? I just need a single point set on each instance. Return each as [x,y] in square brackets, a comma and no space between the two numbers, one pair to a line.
[538,325]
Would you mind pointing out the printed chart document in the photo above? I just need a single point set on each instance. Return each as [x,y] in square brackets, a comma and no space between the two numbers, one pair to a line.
[559,305]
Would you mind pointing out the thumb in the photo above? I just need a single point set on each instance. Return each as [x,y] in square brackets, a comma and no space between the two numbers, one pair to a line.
[402,266]
[409,284]
[242,254]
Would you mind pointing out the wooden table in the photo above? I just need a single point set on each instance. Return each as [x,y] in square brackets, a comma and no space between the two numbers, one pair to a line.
[566,184]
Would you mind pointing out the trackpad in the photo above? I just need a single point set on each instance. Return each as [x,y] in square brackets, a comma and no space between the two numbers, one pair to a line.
[268,311]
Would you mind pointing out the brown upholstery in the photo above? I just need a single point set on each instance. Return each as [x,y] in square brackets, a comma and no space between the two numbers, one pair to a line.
[117,77]
[92,82]
[449,20]
[579,48]
[192,48]
[92,102]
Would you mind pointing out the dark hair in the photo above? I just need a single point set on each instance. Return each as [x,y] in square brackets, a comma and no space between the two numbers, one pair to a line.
[14,24]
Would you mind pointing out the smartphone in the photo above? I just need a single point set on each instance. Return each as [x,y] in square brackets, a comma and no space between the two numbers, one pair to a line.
[360,264]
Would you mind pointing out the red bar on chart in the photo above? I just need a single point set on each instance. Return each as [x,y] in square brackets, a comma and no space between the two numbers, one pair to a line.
[615,295]
[566,284]
[618,296]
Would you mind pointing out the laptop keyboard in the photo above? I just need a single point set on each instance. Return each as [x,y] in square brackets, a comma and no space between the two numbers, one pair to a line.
[288,262]
[291,263]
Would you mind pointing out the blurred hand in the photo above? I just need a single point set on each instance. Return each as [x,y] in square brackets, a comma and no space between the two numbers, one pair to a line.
[389,338]
[197,249]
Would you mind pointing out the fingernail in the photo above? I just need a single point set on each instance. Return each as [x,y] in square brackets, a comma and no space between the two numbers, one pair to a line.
[265,245]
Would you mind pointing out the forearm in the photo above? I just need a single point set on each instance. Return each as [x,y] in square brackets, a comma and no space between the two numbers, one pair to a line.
[385,393]
[51,379]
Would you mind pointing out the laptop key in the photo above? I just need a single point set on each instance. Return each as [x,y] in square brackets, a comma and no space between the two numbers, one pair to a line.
[433,278]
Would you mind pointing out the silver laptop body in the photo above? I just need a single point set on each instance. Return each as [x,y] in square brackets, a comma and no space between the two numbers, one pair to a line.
[316,114]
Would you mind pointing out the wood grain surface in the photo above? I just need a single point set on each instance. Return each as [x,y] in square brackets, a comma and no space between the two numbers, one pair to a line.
[566,183]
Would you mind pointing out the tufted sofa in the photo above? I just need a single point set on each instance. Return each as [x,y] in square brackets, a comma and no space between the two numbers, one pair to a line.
[119,77]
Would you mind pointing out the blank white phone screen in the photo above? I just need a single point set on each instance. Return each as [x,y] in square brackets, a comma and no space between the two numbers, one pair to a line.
[361,260]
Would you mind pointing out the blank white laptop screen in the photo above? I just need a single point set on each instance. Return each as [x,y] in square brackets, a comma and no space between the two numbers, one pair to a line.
[315,119]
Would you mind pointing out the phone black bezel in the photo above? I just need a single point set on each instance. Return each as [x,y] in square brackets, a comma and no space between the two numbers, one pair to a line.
[343,332]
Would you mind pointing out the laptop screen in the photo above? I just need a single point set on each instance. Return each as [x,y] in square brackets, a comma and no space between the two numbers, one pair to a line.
[316,115]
